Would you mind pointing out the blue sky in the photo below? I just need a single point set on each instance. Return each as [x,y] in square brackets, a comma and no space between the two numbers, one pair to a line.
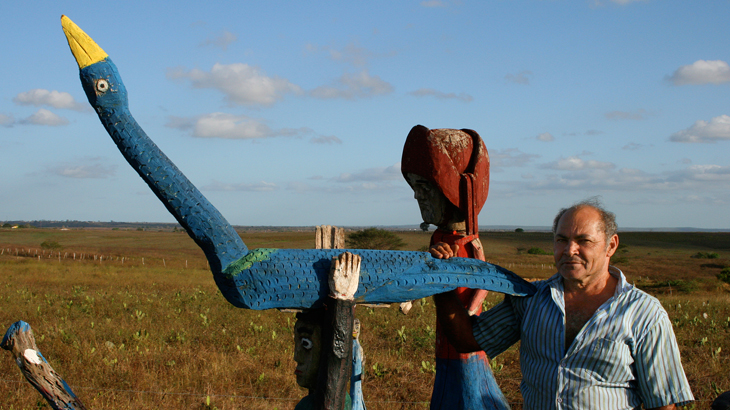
[295,113]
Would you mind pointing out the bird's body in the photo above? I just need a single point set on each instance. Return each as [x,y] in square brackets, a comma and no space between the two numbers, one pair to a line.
[264,278]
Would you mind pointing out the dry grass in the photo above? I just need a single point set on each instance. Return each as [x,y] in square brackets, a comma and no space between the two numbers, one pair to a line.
[160,336]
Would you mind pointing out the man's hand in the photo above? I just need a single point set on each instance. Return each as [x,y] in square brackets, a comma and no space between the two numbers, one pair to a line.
[344,276]
[443,250]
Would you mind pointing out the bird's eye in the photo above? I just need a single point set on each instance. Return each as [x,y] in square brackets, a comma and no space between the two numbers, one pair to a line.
[306,343]
[102,85]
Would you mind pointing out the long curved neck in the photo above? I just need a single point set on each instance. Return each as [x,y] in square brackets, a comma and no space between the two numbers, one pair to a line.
[203,222]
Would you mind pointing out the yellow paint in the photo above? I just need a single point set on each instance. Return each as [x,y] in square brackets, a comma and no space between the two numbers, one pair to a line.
[84,49]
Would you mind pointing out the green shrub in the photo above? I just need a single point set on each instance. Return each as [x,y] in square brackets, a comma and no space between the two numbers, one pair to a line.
[519,230]
[374,238]
[724,275]
[537,251]
[52,245]
[705,255]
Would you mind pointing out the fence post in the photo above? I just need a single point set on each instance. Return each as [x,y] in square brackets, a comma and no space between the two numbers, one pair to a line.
[329,237]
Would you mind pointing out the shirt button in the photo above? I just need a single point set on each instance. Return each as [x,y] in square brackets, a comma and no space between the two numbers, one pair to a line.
[560,400]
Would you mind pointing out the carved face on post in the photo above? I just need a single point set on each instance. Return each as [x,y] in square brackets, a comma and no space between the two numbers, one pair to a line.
[431,200]
[307,350]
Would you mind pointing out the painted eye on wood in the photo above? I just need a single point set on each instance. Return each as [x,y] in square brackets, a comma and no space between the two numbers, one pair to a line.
[102,86]
[306,343]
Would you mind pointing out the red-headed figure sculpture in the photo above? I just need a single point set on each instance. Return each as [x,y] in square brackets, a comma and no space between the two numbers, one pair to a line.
[448,170]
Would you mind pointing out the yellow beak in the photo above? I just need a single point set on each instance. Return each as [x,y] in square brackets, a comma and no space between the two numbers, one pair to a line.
[84,49]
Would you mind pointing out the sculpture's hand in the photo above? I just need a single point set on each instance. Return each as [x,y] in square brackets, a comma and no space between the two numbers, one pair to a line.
[344,276]
[443,250]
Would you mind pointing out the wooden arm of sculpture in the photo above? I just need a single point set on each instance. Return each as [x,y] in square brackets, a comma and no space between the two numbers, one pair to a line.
[20,342]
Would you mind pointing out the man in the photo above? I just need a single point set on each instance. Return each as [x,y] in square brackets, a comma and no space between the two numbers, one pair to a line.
[589,340]
[448,170]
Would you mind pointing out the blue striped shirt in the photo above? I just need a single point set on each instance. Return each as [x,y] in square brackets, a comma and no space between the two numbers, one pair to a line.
[625,355]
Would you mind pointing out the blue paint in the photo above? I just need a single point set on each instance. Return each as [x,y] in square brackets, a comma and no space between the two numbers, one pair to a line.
[15,328]
[358,403]
[466,384]
[281,278]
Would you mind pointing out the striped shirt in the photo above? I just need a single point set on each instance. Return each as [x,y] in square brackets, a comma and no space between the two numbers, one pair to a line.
[625,355]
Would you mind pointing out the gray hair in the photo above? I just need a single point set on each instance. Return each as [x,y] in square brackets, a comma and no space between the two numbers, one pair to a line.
[608,219]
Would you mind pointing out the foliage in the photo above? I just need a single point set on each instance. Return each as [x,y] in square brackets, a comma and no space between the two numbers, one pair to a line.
[724,275]
[705,255]
[537,251]
[519,230]
[374,238]
[52,245]
[158,336]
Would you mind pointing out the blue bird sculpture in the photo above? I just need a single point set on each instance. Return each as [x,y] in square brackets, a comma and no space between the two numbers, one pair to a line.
[265,278]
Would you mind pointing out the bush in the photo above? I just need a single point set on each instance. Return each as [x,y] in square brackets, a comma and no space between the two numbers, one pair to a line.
[52,245]
[705,255]
[537,251]
[724,275]
[374,238]
[519,230]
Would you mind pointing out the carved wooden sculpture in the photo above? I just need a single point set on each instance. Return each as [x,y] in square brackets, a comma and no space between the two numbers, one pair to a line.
[263,278]
[449,172]
[323,340]
[20,342]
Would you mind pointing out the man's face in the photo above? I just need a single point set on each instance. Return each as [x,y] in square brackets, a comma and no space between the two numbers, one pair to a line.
[307,350]
[431,200]
[580,249]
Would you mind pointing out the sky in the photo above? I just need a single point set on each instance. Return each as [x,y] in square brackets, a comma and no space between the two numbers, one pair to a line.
[295,113]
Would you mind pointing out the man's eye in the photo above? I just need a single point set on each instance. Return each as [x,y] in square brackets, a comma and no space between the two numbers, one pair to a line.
[306,343]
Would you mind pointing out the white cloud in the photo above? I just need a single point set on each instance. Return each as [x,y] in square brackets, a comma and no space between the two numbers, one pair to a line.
[639,114]
[40,97]
[523,77]
[44,117]
[329,139]
[632,146]
[575,163]
[262,186]
[430,92]
[509,157]
[352,86]
[717,129]
[702,72]
[693,180]
[545,136]
[240,83]
[223,41]
[229,126]
[6,120]
[378,174]
[88,168]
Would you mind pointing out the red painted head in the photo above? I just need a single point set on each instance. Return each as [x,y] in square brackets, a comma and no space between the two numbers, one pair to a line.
[456,161]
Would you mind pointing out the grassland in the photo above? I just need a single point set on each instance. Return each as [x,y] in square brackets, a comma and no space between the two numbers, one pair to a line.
[133,319]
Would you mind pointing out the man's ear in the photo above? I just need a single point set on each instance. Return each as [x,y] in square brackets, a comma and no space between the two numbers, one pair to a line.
[612,246]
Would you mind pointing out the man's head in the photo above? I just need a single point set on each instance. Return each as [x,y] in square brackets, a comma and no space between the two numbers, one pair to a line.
[584,241]
[308,346]
[608,219]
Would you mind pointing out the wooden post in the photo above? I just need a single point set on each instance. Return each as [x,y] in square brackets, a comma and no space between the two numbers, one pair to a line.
[329,237]
[20,342]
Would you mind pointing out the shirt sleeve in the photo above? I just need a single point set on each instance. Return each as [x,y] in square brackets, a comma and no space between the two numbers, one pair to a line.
[498,328]
[659,370]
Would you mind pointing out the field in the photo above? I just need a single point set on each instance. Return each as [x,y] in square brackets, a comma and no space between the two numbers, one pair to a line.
[132,319]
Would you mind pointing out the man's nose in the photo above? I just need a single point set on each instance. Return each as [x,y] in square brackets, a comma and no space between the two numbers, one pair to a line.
[572,248]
